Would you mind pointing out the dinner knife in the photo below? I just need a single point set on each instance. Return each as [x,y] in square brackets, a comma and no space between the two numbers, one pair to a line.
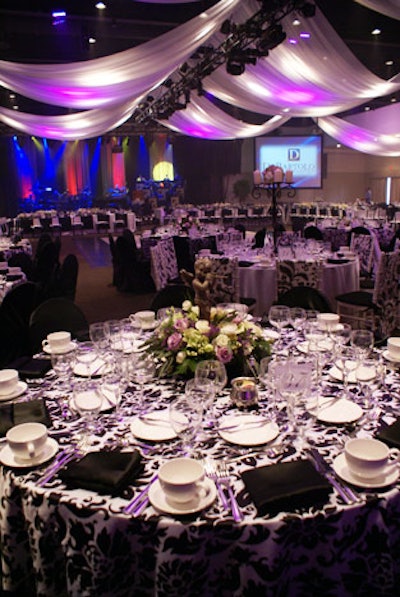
[345,492]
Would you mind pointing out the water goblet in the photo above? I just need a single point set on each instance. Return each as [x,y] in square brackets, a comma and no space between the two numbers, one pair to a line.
[144,372]
[203,393]
[279,317]
[267,375]
[185,416]
[111,390]
[298,316]
[365,374]
[86,355]
[62,364]
[347,364]
[98,335]
[87,400]
[362,342]
[213,371]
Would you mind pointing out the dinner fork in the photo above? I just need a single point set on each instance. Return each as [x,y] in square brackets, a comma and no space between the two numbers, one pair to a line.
[211,472]
[224,478]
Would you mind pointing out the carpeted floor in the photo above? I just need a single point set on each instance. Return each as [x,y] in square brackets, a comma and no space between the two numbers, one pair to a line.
[95,295]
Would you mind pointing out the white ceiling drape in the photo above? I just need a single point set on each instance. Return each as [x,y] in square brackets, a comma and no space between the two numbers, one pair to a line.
[316,77]
[390,8]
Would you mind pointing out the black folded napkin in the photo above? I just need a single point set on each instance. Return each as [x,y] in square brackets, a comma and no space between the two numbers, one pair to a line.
[104,472]
[338,261]
[285,486]
[31,367]
[245,263]
[390,434]
[34,411]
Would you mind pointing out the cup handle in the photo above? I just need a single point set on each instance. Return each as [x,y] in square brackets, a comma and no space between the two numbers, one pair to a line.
[45,343]
[394,456]
[31,449]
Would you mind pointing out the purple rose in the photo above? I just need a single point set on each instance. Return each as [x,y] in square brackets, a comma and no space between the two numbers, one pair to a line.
[181,324]
[224,354]
[174,341]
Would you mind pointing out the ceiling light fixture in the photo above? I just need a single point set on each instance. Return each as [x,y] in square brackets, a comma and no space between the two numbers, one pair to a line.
[100,6]
[376,31]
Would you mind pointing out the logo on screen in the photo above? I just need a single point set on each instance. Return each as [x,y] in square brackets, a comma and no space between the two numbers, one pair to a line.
[293,154]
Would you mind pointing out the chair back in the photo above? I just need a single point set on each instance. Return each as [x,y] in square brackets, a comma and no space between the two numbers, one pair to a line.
[164,264]
[307,298]
[363,246]
[225,287]
[54,315]
[298,273]
[313,232]
[69,276]
[386,292]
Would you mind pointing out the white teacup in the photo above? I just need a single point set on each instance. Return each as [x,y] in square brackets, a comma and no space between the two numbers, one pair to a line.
[181,479]
[8,381]
[328,321]
[27,440]
[146,318]
[393,345]
[57,341]
[368,458]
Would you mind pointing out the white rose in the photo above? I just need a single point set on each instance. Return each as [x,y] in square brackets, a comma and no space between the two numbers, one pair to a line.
[180,357]
[196,310]
[202,326]
[229,328]
[186,305]
[221,340]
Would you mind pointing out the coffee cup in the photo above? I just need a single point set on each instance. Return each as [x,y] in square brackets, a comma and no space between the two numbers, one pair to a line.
[393,345]
[181,479]
[328,321]
[27,440]
[146,318]
[57,341]
[8,381]
[368,458]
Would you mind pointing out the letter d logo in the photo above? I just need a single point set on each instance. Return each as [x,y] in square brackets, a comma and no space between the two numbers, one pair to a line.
[293,154]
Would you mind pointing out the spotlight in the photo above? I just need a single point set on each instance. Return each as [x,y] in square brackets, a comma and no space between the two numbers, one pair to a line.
[226,27]
[307,9]
[235,66]
[273,36]
[168,83]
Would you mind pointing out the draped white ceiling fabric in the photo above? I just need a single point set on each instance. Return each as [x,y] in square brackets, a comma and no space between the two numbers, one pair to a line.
[390,8]
[316,77]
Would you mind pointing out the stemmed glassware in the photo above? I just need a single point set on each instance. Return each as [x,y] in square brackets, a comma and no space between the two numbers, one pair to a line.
[298,317]
[347,363]
[362,342]
[144,372]
[86,355]
[279,317]
[87,400]
[202,392]
[185,416]
[267,374]
[213,371]
[111,390]
[63,364]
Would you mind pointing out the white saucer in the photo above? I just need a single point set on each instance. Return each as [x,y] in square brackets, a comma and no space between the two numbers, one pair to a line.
[324,346]
[149,326]
[328,328]
[270,334]
[105,405]
[363,374]
[338,410]
[159,501]
[153,431]
[390,357]
[7,456]
[20,389]
[388,478]
[68,348]
[251,430]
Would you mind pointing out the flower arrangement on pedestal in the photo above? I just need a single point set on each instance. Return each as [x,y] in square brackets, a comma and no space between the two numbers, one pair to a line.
[187,224]
[182,340]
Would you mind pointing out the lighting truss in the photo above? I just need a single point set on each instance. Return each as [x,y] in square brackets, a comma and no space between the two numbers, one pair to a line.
[244,44]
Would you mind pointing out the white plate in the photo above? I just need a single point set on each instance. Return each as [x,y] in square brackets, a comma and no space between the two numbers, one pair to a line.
[98,367]
[252,430]
[338,410]
[71,346]
[105,405]
[158,427]
[388,478]
[149,326]
[363,374]
[159,501]
[20,389]
[7,456]
[390,357]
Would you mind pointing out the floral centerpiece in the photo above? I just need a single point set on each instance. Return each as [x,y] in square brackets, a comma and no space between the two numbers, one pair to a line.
[182,340]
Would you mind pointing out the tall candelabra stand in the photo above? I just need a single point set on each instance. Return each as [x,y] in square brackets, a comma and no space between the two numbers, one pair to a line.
[274,190]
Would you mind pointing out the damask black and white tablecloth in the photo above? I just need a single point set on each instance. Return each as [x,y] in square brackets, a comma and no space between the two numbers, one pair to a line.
[63,541]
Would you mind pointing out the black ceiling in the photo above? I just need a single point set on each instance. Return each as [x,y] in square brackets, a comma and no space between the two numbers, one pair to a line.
[28,35]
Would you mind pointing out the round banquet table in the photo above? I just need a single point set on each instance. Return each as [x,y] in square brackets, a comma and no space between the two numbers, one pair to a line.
[260,282]
[61,541]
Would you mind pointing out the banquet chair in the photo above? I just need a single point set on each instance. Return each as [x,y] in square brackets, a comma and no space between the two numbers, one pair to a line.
[306,297]
[164,264]
[377,310]
[171,296]
[363,246]
[24,261]
[298,273]
[54,315]
[313,232]
[68,277]
[76,223]
[132,273]
[225,287]
[15,312]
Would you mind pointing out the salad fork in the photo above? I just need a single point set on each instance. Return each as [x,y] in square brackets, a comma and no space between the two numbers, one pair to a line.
[211,472]
[224,478]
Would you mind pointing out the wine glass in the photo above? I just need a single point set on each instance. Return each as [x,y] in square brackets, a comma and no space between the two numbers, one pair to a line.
[267,375]
[363,342]
[98,335]
[87,400]
[185,416]
[63,364]
[202,392]
[298,316]
[294,381]
[144,372]
[347,363]
[86,355]
[279,317]
[213,371]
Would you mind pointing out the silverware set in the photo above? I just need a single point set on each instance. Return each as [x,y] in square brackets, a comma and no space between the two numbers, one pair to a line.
[61,460]
[346,493]
[219,473]
[139,503]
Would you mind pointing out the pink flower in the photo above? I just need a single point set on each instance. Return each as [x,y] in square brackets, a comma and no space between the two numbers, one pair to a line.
[181,324]
[174,341]
[224,354]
